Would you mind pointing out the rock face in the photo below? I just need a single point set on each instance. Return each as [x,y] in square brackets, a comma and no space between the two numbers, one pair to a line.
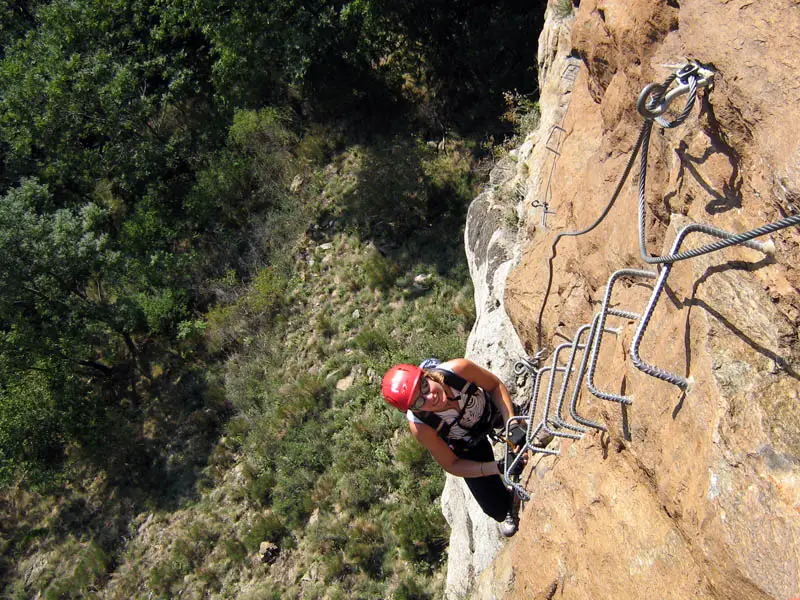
[492,250]
[690,494]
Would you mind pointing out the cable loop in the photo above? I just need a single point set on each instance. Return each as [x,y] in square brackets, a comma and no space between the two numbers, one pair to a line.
[655,99]
[650,103]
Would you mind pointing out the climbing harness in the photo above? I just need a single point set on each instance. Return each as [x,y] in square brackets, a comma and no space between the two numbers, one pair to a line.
[474,433]
[652,104]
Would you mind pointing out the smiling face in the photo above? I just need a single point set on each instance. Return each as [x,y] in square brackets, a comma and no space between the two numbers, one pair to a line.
[429,396]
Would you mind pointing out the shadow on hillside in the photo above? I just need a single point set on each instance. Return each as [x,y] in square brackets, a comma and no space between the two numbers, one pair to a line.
[411,201]
[146,457]
[158,449]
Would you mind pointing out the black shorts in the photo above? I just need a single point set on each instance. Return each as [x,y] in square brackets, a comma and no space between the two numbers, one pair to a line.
[490,491]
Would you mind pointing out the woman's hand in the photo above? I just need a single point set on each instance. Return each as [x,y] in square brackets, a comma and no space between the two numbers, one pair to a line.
[518,467]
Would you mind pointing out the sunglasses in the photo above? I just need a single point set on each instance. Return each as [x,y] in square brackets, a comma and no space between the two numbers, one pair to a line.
[424,388]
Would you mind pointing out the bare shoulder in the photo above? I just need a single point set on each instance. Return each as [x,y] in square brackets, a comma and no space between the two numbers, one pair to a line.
[457,365]
[473,372]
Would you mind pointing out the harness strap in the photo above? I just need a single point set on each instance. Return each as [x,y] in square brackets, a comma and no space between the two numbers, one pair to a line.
[435,422]
[466,388]
[457,382]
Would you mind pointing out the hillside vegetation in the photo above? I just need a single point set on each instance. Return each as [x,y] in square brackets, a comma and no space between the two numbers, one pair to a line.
[219,224]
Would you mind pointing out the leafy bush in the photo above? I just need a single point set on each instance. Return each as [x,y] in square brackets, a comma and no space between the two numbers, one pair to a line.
[422,533]
[265,528]
[365,545]
[260,488]
[89,571]
[373,341]
[31,429]
[410,589]
[235,550]
[563,8]
[267,291]
[292,498]
[521,111]
[263,135]
[380,272]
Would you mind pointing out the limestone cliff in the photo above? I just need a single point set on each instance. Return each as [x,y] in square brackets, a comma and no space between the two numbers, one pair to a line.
[690,494]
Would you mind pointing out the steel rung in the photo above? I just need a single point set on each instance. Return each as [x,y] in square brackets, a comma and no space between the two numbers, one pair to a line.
[601,328]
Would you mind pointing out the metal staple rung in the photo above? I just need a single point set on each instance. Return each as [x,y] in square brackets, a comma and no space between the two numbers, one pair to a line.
[546,414]
[550,137]
[546,212]
[573,407]
[511,464]
[654,371]
[624,314]
[565,425]
[570,72]
[536,449]
[601,327]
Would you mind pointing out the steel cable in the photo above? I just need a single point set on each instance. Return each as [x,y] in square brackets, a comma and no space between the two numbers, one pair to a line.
[599,219]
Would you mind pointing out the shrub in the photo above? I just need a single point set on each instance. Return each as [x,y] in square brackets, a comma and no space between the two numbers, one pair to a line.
[292,499]
[224,327]
[264,591]
[412,455]
[563,8]
[31,429]
[164,575]
[422,534]
[326,326]
[373,341]
[315,147]
[522,112]
[410,589]
[449,184]
[223,190]
[365,546]
[263,135]
[88,572]
[380,272]
[235,550]
[260,488]
[265,528]
[334,566]
[267,291]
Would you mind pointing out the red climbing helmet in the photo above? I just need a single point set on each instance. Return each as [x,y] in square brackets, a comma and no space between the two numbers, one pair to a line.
[399,384]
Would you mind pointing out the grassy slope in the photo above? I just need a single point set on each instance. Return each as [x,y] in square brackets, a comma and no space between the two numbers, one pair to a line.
[288,441]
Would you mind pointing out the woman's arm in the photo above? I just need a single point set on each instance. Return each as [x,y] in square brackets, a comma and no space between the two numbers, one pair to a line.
[487,380]
[443,455]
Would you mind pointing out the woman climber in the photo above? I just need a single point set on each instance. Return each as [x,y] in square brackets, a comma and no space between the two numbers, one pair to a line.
[450,408]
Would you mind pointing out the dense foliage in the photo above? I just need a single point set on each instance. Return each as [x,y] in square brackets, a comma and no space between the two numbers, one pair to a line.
[168,173]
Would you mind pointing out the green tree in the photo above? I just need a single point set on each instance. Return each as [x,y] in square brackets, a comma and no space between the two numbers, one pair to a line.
[18,18]
[53,304]
[105,90]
